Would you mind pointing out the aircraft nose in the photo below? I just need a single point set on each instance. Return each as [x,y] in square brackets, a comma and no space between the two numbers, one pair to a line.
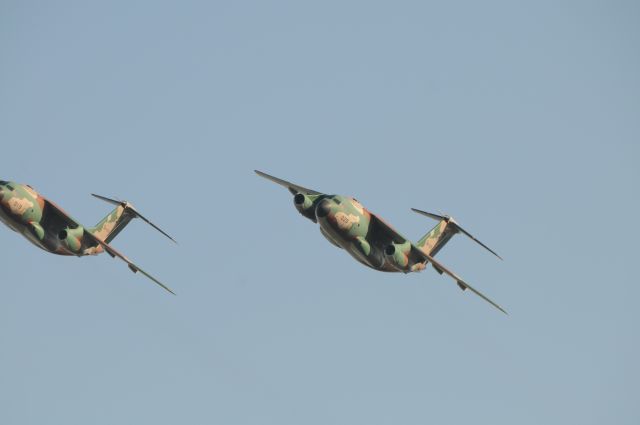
[324,208]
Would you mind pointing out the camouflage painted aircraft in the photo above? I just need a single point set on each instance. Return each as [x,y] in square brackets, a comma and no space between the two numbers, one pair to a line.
[370,240]
[48,227]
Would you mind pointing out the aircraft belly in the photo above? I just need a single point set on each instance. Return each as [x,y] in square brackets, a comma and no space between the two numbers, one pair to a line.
[7,221]
[49,243]
[375,259]
[34,240]
[345,240]
[329,237]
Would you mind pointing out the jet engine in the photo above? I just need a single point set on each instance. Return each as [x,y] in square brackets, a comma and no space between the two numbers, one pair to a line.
[398,255]
[305,206]
[37,229]
[72,238]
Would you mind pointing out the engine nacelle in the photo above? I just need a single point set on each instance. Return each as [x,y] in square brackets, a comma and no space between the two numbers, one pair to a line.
[72,238]
[37,229]
[305,205]
[398,255]
[363,246]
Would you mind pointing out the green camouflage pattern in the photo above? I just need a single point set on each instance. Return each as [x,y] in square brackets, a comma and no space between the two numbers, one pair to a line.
[25,211]
[48,227]
[437,237]
[109,227]
[369,239]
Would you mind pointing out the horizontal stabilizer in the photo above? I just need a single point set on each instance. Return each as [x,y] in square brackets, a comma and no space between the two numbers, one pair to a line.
[109,200]
[135,212]
[436,217]
[451,221]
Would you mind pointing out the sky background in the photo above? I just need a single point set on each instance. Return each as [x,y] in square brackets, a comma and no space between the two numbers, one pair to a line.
[521,119]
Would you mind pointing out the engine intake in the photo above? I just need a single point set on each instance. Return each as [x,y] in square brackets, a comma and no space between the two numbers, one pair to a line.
[72,238]
[398,255]
[305,205]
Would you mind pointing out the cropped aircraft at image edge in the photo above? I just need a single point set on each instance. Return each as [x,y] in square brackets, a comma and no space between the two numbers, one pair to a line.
[48,227]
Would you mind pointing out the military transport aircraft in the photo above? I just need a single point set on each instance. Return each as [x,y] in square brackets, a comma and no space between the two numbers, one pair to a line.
[50,228]
[370,240]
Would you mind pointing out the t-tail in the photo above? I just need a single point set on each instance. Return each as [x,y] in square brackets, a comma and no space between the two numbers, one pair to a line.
[109,227]
[437,237]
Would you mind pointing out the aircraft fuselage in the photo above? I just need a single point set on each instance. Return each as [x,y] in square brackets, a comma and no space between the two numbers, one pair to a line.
[22,209]
[346,224]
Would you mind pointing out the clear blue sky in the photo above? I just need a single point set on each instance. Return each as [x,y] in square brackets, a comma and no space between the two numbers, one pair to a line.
[521,119]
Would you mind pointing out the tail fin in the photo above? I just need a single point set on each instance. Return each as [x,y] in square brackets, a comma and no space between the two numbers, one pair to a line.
[437,237]
[109,227]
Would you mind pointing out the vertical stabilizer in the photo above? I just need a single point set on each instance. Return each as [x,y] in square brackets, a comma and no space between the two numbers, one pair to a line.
[109,227]
[437,237]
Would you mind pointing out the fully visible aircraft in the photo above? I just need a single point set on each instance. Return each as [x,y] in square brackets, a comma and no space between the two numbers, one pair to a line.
[370,240]
[48,227]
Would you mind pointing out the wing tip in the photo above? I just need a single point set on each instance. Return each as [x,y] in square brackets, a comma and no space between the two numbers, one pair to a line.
[502,310]
[162,285]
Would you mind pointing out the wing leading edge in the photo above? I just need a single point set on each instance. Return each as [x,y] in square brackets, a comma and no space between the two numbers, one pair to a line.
[293,188]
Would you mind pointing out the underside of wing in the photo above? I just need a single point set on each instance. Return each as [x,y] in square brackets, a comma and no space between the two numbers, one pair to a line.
[114,253]
[56,218]
[293,188]
[384,234]
[461,283]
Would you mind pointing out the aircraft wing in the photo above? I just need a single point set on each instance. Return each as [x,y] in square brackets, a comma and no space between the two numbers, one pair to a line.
[53,212]
[114,253]
[385,234]
[461,283]
[293,188]
[57,217]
